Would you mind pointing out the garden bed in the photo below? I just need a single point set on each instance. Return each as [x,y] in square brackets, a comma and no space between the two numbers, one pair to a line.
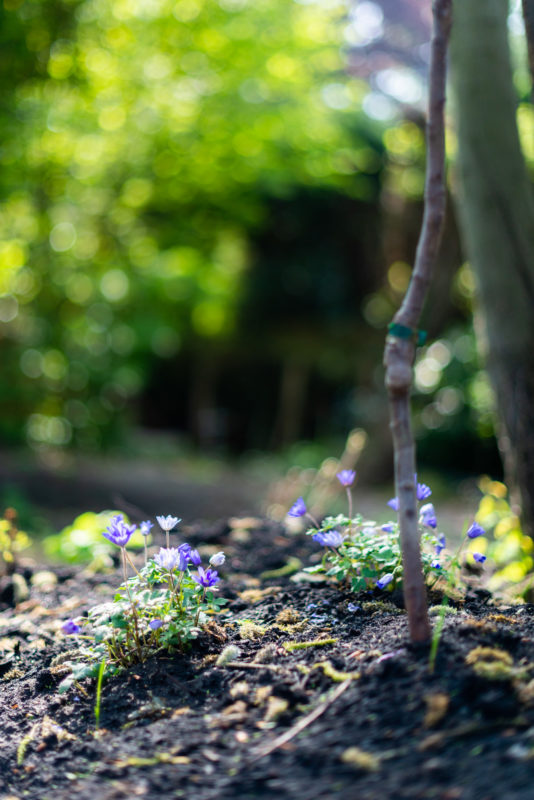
[319,696]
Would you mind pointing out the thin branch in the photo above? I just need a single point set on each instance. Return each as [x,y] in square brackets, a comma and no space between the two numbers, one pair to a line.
[399,353]
[248,665]
[435,192]
[301,724]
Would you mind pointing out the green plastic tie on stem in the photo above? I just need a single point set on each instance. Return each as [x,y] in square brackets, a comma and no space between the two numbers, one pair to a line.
[404,332]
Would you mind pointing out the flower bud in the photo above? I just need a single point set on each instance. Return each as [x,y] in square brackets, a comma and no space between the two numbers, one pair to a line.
[218,559]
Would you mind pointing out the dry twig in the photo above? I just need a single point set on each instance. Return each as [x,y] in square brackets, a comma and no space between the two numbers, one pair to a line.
[302,723]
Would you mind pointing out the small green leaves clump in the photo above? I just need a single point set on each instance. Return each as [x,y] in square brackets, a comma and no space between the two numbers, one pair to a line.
[364,555]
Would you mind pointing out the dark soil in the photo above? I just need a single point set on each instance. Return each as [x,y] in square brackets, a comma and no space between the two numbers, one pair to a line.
[375,722]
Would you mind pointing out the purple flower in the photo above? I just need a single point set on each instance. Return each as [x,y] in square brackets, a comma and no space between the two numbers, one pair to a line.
[168,523]
[155,624]
[440,544]
[423,491]
[185,549]
[427,516]
[479,558]
[329,539]
[298,509]
[393,503]
[194,557]
[346,477]
[118,532]
[206,578]
[145,527]
[170,558]
[388,527]
[69,627]
[475,530]
[435,564]
[218,559]
[384,581]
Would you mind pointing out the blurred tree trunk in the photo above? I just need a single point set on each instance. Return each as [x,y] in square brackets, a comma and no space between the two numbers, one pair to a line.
[528,16]
[497,216]
[291,403]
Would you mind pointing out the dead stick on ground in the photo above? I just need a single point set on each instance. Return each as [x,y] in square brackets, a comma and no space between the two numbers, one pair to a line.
[248,665]
[399,354]
[301,724]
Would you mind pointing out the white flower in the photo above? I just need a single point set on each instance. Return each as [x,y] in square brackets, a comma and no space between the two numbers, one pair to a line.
[427,510]
[168,523]
[169,558]
[218,559]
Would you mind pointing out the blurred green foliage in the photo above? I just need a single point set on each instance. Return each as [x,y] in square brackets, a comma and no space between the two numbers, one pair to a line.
[454,404]
[142,143]
[82,542]
[12,541]
[511,550]
[199,210]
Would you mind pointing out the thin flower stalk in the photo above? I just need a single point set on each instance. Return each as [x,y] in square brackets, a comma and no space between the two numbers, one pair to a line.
[349,498]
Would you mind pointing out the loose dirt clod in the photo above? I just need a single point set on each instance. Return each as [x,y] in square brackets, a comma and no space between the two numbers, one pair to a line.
[275,707]
[229,653]
[488,654]
[248,629]
[267,654]
[288,616]
[360,759]
[436,707]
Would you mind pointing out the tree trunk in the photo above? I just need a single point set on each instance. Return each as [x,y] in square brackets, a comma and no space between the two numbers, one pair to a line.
[291,403]
[528,16]
[497,216]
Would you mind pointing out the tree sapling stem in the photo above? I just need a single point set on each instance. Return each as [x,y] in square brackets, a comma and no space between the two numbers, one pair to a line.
[399,354]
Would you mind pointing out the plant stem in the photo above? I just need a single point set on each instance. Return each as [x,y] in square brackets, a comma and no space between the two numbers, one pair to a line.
[130,562]
[436,637]
[176,592]
[399,352]
[124,573]
[312,519]
[132,604]
[198,612]
[99,692]
[349,497]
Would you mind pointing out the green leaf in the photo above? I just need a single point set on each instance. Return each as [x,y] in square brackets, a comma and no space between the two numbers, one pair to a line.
[368,572]
[314,570]
[65,684]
